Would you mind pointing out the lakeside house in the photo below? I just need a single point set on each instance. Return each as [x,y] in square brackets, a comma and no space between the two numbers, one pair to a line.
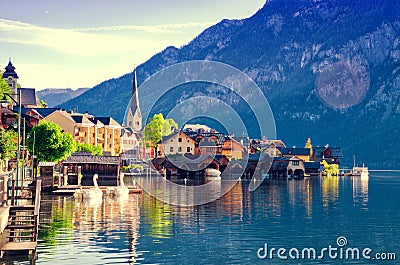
[201,142]
[271,157]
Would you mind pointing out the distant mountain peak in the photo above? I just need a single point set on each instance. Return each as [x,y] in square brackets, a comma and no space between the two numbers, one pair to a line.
[329,68]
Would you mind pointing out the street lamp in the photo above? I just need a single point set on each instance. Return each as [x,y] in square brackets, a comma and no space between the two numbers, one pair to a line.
[5,101]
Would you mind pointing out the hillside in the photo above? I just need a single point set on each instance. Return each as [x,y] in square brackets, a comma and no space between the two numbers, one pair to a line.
[56,96]
[330,71]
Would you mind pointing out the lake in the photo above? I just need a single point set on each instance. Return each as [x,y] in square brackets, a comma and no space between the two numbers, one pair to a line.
[331,213]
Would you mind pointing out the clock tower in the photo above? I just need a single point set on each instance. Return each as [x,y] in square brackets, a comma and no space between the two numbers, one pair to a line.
[11,77]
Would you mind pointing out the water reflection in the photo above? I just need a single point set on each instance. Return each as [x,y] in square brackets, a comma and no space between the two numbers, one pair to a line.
[76,229]
[330,190]
[157,216]
[227,231]
[360,191]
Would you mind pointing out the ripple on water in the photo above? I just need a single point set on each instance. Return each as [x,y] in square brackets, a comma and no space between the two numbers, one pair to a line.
[228,231]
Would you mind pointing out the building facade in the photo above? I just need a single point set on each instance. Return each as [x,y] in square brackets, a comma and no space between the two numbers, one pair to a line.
[85,128]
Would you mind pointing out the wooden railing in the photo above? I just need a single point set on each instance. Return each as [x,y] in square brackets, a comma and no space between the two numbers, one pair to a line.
[3,189]
[37,207]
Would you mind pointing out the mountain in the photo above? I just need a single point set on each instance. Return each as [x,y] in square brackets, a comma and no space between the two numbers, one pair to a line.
[330,70]
[56,96]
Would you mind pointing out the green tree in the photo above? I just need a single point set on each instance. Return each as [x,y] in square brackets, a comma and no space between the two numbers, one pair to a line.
[51,144]
[95,150]
[43,104]
[157,128]
[153,130]
[4,87]
[169,126]
[8,144]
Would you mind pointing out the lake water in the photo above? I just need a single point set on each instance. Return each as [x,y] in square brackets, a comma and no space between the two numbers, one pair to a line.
[294,214]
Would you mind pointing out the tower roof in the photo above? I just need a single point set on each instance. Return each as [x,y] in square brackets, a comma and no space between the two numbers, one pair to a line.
[134,97]
[10,71]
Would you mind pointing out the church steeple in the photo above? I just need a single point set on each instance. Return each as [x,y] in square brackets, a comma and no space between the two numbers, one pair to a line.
[11,77]
[134,117]
[135,93]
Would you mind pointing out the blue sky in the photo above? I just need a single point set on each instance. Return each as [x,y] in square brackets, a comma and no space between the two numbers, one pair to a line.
[81,43]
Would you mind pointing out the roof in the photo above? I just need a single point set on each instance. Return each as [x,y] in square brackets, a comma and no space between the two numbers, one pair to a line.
[244,140]
[30,111]
[45,111]
[134,102]
[28,96]
[158,160]
[79,158]
[195,136]
[165,138]
[196,127]
[81,119]
[282,159]
[336,151]
[312,165]
[10,71]
[7,111]
[107,121]
[295,151]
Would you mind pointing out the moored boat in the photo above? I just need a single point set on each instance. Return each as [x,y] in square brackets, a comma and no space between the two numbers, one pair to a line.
[360,171]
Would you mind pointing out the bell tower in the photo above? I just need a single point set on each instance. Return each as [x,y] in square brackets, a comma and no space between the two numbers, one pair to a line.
[11,77]
[134,116]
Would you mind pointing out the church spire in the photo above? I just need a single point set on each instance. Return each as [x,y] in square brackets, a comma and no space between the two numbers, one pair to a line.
[135,93]
[134,117]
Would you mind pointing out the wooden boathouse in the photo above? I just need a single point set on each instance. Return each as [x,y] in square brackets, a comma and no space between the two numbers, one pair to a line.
[82,166]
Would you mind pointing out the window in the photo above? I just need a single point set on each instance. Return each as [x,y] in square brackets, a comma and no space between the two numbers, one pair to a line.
[295,163]
[180,149]
[180,139]
[171,149]
[188,149]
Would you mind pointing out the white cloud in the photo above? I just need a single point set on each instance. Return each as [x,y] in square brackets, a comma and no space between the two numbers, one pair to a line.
[166,28]
[89,41]
[49,57]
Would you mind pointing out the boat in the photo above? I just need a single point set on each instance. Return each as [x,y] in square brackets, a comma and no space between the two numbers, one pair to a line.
[212,173]
[359,171]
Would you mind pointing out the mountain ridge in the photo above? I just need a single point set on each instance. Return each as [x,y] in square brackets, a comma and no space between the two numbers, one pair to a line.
[56,96]
[292,49]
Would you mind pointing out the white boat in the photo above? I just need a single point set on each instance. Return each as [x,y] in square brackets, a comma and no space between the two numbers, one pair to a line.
[212,173]
[359,171]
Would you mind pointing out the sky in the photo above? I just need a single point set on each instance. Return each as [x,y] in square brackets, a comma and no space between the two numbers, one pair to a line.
[80,43]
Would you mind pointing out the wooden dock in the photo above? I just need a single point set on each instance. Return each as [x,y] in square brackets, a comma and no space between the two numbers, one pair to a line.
[70,189]
[23,226]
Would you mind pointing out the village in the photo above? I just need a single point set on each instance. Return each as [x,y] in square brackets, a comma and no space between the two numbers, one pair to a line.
[103,155]
[123,146]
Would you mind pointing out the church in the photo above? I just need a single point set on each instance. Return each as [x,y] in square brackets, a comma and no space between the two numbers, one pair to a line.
[28,96]
[132,128]
[133,118]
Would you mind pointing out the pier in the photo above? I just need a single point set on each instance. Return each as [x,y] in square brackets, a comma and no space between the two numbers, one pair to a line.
[23,226]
